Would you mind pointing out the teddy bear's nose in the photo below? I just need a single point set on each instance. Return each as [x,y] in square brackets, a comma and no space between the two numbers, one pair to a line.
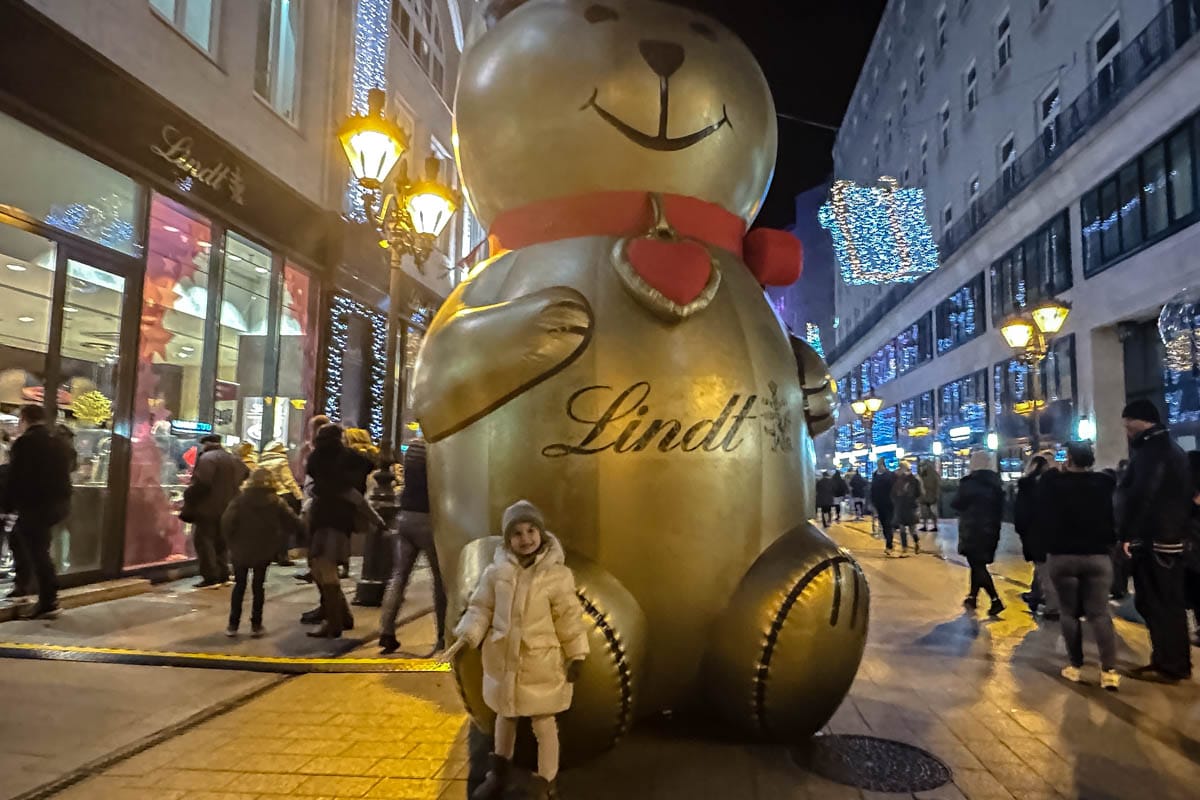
[665,58]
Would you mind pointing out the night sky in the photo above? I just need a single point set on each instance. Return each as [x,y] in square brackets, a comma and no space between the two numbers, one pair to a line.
[811,52]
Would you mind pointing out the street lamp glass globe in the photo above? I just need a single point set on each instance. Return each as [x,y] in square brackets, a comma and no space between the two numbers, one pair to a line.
[431,206]
[993,441]
[372,144]
[1017,332]
[858,407]
[937,448]
[1050,316]
[874,404]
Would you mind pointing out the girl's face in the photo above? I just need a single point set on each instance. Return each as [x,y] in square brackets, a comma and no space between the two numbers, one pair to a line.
[525,539]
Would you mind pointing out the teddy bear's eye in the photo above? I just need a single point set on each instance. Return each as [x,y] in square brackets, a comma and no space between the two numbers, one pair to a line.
[598,13]
[705,31]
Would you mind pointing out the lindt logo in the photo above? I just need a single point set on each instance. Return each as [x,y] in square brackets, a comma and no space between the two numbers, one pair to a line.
[626,424]
[177,150]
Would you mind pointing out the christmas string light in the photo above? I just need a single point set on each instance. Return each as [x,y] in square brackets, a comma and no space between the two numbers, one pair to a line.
[342,308]
[371,26]
[812,335]
[103,225]
[880,234]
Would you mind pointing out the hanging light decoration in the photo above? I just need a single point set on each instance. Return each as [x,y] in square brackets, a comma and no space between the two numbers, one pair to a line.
[1179,329]
[880,233]
[812,335]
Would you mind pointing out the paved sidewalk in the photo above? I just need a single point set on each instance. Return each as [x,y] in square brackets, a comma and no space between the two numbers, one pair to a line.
[982,695]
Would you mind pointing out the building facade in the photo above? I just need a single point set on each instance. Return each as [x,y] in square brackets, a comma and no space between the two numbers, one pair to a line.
[1056,141]
[178,245]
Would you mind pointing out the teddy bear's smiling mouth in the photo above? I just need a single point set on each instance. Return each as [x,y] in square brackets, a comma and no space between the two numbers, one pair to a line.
[659,141]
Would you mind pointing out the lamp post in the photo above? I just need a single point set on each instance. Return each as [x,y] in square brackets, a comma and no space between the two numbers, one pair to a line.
[408,220]
[1030,333]
[866,408]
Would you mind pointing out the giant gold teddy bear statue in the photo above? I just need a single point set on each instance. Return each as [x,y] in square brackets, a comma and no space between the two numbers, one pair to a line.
[617,362]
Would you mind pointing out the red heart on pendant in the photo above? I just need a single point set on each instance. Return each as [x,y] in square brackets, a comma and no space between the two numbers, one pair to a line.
[680,270]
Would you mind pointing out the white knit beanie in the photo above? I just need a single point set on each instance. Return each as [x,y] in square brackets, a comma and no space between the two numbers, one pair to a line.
[521,511]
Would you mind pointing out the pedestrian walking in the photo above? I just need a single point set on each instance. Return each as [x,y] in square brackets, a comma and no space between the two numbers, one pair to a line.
[528,618]
[980,506]
[840,490]
[1074,520]
[1025,509]
[825,498]
[1155,501]
[336,508]
[254,524]
[882,483]
[931,495]
[858,492]
[216,480]
[274,459]
[1191,550]
[905,493]
[414,535]
[38,489]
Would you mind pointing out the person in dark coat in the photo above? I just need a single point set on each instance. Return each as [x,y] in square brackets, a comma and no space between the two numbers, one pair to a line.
[414,535]
[882,483]
[1033,545]
[1155,507]
[255,523]
[216,480]
[1191,550]
[905,492]
[858,492]
[825,498]
[1073,518]
[980,507]
[931,495]
[38,489]
[840,490]
[337,472]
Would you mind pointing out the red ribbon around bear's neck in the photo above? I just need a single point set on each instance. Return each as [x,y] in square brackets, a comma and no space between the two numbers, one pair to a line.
[774,257]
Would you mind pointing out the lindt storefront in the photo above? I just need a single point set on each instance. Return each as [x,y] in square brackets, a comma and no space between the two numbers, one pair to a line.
[152,289]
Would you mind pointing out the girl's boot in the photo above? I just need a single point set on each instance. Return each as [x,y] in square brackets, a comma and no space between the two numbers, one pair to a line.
[493,785]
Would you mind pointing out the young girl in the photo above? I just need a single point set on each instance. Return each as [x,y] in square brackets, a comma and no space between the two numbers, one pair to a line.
[537,644]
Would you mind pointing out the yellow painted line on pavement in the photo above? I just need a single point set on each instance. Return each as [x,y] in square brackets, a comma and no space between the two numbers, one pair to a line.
[264,663]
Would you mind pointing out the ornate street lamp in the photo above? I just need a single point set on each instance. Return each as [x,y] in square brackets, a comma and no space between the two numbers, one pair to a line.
[1029,333]
[866,407]
[408,220]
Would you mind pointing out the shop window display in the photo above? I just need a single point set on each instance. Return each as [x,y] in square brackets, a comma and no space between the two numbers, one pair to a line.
[238,400]
[170,356]
[297,364]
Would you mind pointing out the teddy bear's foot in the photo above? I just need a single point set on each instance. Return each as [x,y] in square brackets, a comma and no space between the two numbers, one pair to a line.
[605,695]
[787,647]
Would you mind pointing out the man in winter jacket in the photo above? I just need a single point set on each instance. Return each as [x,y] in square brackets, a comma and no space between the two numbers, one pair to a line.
[858,492]
[839,493]
[882,483]
[218,476]
[825,498]
[931,494]
[1154,503]
[39,490]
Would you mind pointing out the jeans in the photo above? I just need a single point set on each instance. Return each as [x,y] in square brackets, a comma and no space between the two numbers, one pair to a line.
[826,515]
[906,530]
[211,550]
[31,537]
[837,509]
[414,535]
[1044,588]
[981,579]
[1082,584]
[1158,586]
[240,573]
[858,507]
[886,522]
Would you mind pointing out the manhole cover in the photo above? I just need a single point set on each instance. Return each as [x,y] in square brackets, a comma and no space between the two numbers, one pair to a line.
[878,765]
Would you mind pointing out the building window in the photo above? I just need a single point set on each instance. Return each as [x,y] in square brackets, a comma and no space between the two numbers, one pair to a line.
[277,60]
[1048,108]
[1008,161]
[420,26]
[887,47]
[914,345]
[875,147]
[940,21]
[1003,42]
[195,19]
[907,175]
[924,156]
[1106,48]
[963,402]
[971,86]
[947,216]
[1042,5]
[903,99]
[1145,200]
[944,121]
[960,316]
[921,67]
[887,130]
[973,196]
[1038,267]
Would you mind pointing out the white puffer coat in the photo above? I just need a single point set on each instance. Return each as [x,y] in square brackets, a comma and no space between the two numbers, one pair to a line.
[534,625]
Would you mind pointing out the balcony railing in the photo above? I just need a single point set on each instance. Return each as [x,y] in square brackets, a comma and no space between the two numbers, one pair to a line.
[1173,28]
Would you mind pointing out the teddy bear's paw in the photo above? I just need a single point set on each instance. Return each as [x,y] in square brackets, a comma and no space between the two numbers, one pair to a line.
[786,649]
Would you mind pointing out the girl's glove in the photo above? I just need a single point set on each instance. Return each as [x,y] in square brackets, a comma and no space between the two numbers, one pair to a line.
[573,670]
[450,652]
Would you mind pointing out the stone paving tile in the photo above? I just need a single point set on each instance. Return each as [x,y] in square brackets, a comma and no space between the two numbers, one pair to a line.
[408,789]
[266,783]
[335,785]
